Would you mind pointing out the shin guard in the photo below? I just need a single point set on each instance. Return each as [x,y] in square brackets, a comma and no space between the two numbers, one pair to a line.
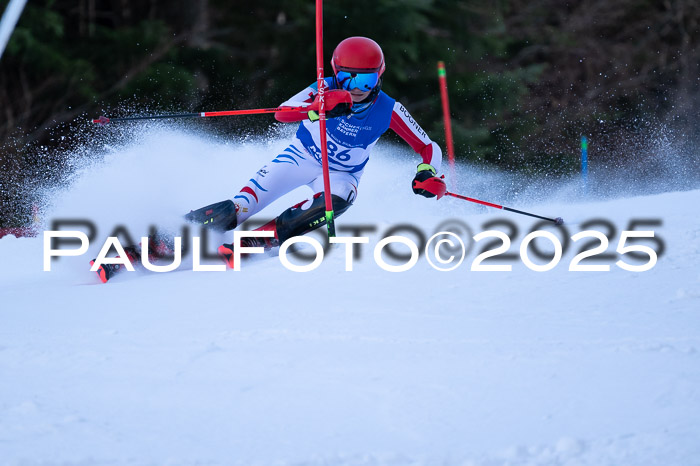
[220,216]
[307,216]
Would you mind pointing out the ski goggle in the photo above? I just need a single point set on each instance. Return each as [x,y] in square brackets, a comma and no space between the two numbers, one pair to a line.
[362,81]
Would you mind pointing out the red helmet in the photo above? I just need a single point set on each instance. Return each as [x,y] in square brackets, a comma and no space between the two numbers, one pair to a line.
[358,55]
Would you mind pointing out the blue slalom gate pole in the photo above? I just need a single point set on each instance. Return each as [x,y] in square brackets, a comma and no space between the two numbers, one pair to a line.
[584,163]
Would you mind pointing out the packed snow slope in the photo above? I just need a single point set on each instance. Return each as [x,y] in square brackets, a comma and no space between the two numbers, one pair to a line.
[368,367]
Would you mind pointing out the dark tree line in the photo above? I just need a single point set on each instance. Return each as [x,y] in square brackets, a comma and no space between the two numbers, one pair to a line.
[526,78]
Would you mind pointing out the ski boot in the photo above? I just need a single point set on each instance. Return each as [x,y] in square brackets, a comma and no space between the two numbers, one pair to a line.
[107,271]
[159,246]
[226,250]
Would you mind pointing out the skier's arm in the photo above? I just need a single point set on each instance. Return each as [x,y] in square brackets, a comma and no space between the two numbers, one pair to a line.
[410,131]
[425,183]
[303,99]
[338,102]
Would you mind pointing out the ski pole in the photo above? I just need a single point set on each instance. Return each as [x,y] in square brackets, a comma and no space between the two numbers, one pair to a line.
[557,221]
[104,120]
[436,186]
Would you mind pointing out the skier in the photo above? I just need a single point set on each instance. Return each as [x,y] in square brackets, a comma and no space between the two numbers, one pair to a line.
[358,112]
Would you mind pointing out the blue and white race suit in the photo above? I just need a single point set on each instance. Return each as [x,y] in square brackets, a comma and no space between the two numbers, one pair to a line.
[350,140]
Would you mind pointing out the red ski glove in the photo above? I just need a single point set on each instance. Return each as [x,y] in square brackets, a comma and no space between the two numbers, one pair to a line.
[426,184]
[338,103]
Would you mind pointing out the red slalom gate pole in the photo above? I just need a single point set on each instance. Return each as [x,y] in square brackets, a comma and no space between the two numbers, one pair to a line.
[321,84]
[442,76]
[556,221]
[255,111]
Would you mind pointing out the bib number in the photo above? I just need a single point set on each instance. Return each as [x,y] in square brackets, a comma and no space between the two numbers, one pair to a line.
[342,156]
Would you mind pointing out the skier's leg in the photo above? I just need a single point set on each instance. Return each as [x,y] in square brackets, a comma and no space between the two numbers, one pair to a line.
[291,168]
[305,216]
[298,220]
[288,170]
[311,213]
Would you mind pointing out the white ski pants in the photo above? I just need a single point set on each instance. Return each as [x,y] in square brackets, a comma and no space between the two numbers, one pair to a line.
[291,168]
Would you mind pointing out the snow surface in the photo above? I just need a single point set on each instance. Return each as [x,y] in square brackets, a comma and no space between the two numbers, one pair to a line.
[369,367]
